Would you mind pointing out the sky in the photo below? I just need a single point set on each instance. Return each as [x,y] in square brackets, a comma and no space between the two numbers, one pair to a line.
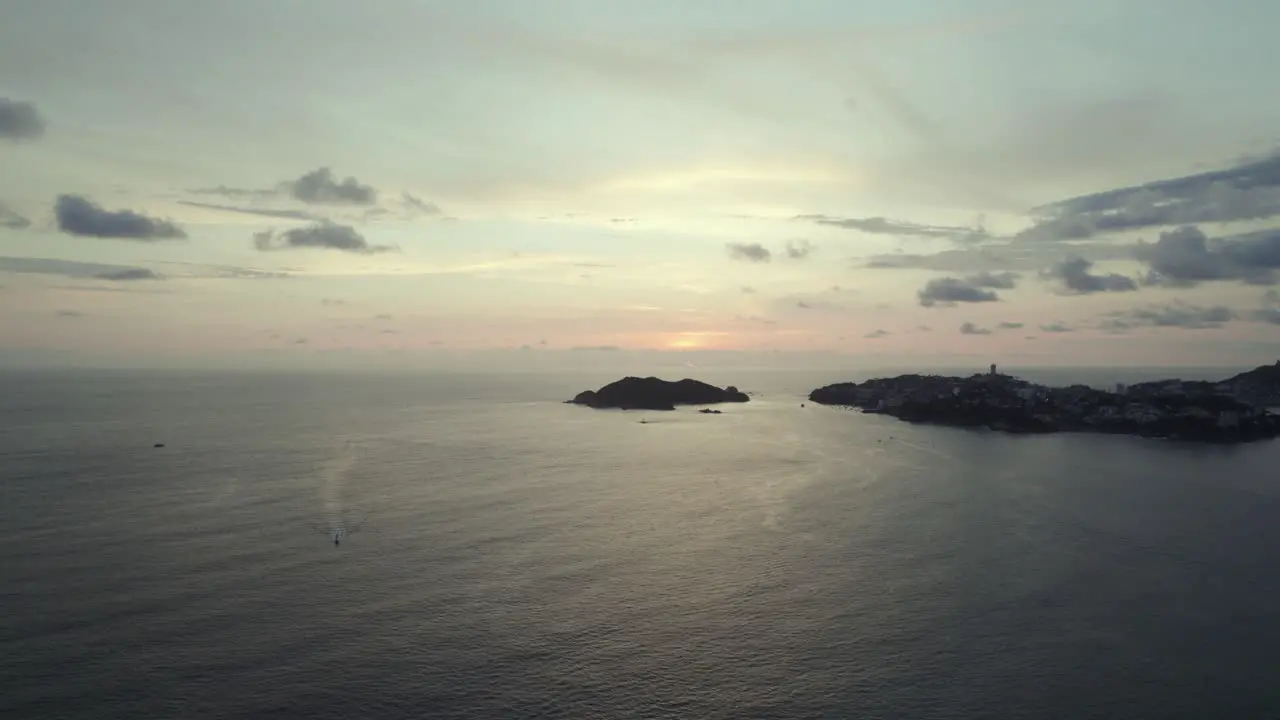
[409,182]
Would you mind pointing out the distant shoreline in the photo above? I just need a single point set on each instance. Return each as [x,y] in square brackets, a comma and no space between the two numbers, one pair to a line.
[1233,410]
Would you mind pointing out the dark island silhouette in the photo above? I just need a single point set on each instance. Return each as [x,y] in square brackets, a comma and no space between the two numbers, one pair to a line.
[1229,411]
[651,393]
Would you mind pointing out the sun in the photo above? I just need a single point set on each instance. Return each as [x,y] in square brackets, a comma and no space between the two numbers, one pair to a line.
[685,343]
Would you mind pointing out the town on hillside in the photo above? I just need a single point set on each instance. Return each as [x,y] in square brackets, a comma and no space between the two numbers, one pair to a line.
[1230,410]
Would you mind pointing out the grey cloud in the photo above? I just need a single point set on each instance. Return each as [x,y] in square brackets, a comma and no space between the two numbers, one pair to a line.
[1073,274]
[971,329]
[1056,327]
[1269,309]
[1186,256]
[64,268]
[78,216]
[595,348]
[948,291]
[329,302]
[231,192]
[421,205]
[1246,191]
[226,272]
[998,280]
[326,235]
[12,220]
[751,252]
[885,226]
[1010,325]
[748,290]
[1177,314]
[874,335]
[799,249]
[320,186]
[803,305]
[70,313]
[264,212]
[128,274]
[20,120]
[1015,256]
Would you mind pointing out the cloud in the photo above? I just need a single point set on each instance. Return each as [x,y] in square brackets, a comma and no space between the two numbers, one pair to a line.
[595,348]
[748,290]
[803,305]
[264,212]
[971,329]
[128,274]
[325,235]
[1269,310]
[12,220]
[1056,327]
[1019,256]
[948,291]
[70,313]
[1073,274]
[226,272]
[885,226]
[78,216]
[1247,191]
[64,268]
[20,120]
[877,334]
[421,205]
[998,280]
[1010,325]
[1186,256]
[749,252]
[320,186]
[231,192]
[799,249]
[1176,314]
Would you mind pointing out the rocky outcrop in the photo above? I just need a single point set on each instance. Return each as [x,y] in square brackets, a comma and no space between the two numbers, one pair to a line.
[651,393]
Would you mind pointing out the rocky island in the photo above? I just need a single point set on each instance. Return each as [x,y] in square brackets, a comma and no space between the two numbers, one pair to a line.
[1232,410]
[651,393]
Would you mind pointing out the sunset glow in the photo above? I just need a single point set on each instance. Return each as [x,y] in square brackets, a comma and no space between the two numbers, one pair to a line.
[636,176]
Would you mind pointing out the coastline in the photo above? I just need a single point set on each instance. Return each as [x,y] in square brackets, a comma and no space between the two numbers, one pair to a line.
[1228,411]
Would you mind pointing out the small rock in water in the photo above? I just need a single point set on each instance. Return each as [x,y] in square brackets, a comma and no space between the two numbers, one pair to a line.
[159,445]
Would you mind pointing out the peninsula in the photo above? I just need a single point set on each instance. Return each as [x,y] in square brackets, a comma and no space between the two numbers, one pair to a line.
[651,393]
[1174,409]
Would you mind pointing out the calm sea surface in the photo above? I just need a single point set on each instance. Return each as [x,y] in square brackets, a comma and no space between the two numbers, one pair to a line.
[522,558]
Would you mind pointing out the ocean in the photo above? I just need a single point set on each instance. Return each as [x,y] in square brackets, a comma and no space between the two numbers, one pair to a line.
[510,556]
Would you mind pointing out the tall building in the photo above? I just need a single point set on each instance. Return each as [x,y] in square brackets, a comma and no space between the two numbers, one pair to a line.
[993,368]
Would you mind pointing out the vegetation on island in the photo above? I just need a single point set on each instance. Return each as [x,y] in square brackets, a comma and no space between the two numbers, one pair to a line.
[651,393]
